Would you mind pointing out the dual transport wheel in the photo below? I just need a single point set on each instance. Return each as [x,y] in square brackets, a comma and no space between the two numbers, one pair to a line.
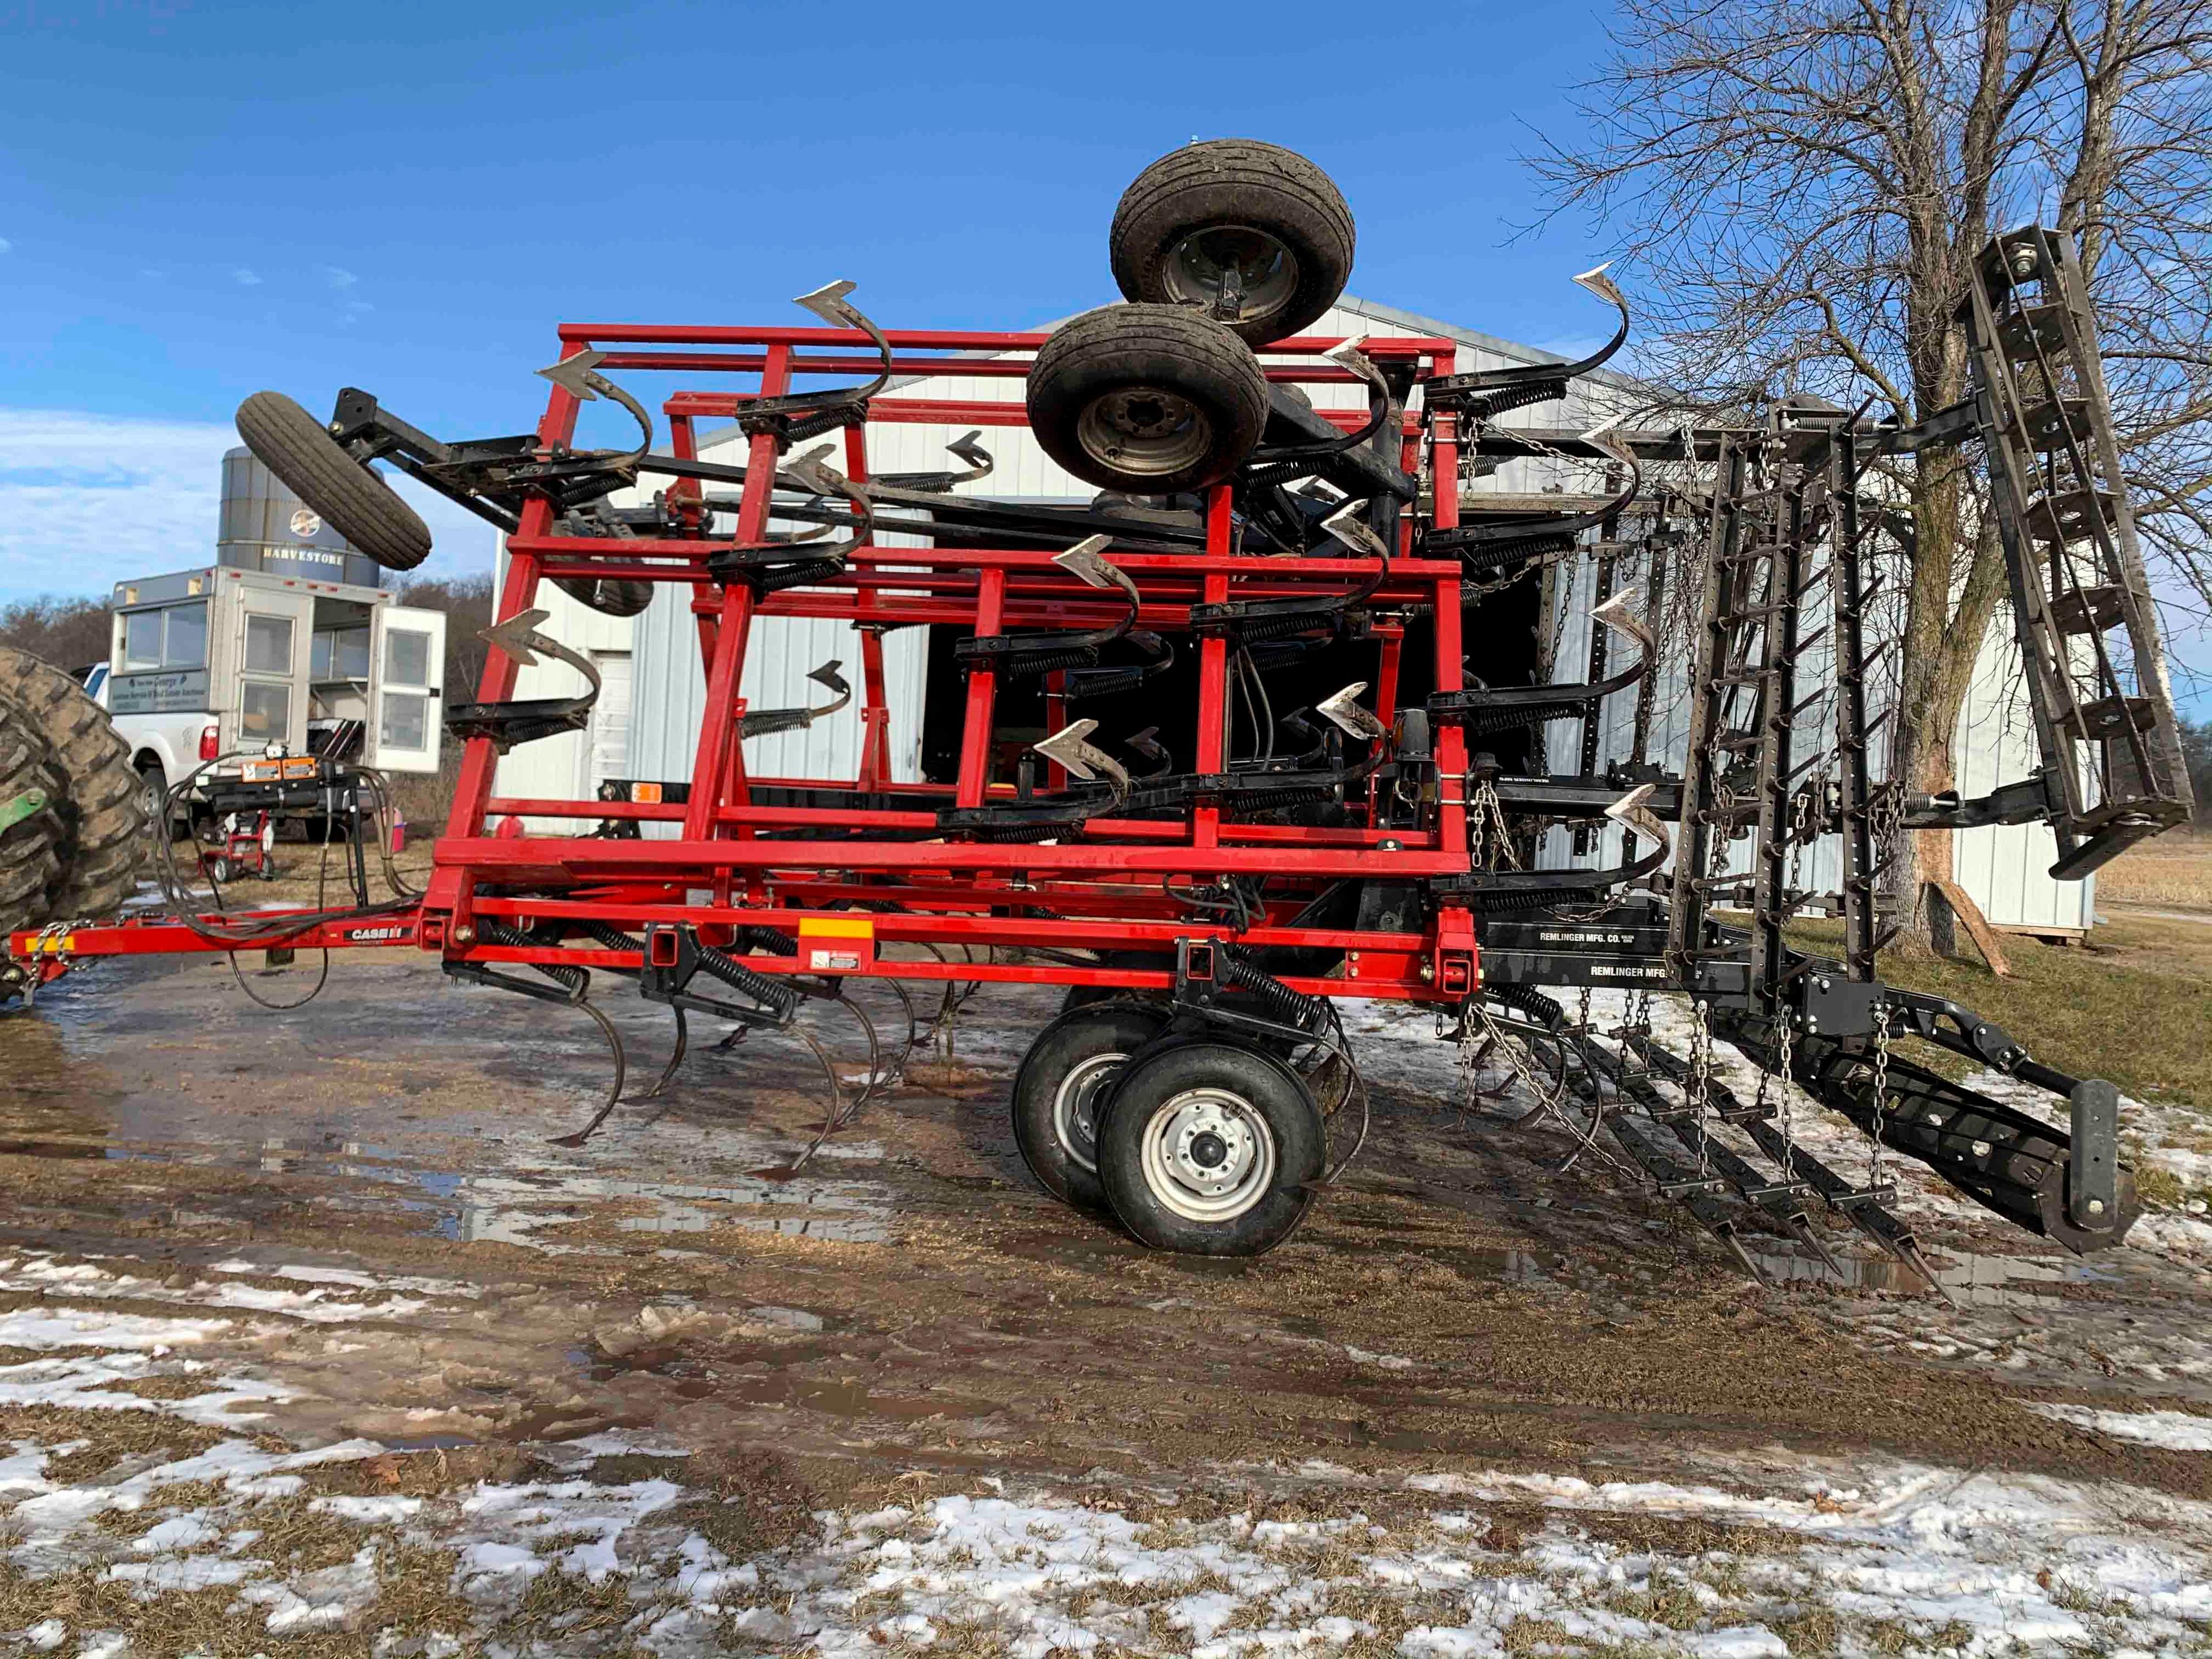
[1196,1142]
[1219,248]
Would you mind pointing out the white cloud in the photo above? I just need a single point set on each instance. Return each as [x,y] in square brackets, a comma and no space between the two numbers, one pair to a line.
[245,278]
[87,501]
[6,246]
[338,278]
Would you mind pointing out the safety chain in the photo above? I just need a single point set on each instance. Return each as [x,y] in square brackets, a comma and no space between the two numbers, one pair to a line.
[1877,1169]
[1697,1088]
[1488,834]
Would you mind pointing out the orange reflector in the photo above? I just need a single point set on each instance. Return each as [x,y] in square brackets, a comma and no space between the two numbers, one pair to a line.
[648,794]
[838,927]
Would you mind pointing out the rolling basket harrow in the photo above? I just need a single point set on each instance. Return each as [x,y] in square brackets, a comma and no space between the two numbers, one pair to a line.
[1208,884]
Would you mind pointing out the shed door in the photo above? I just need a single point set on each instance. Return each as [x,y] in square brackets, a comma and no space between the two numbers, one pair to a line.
[272,650]
[409,717]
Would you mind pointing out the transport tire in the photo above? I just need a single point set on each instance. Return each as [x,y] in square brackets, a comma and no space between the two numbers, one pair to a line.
[1150,399]
[98,794]
[28,864]
[1210,1148]
[1067,1070]
[351,498]
[609,599]
[1266,212]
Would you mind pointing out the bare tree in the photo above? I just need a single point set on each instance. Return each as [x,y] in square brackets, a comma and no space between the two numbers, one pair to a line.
[1802,185]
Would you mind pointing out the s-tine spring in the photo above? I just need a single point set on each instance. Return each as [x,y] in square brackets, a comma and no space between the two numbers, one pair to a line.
[1268,800]
[577,980]
[1290,1007]
[1483,722]
[1025,832]
[609,935]
[1028,665]
[1486,406]
[726,967]
[1512,904]
[1251,629]
[774,578]
[772,940]
[1527,999]
[1534,545]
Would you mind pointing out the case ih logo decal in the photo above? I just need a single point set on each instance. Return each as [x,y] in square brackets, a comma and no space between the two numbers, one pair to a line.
[376,935]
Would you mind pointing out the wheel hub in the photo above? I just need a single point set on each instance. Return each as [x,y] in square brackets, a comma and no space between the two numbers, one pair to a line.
[1075,1108]
[1208,1155]
[1238,273]
[1145,430]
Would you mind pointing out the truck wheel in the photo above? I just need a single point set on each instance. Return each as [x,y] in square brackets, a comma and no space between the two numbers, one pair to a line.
[1151,399]
[27,863]
[1066,1073]
[355,502]
[1210,1148]
[154,799]
[1235,209]
[609,599]
[103,819]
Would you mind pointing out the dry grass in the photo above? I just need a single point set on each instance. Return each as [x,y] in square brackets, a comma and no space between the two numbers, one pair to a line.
[2173,870]
[111,1436]
[2130,1011]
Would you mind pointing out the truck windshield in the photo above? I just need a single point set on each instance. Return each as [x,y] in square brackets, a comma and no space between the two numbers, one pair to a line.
[171,636]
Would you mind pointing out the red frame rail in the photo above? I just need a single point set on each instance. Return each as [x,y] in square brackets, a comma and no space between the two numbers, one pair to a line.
[748,857]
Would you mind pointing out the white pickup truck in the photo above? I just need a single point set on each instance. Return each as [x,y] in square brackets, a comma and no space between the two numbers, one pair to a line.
[220,660]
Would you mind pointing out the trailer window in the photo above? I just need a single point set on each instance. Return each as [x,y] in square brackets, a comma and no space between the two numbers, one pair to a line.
[265,713]
[174,636]
[406,657]
[268,644]
[184,641]
[340,654]
[406,722]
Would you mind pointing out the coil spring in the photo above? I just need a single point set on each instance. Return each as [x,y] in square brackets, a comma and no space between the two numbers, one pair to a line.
[774,942]
[1527,999]
[608,934]
[1027,832]
[1269,801]
[576,981]
[1513,904]
[1290,1007]
[1276,472]
[1027,664]
[1531,546]
[774,578]
[726,967]
[1486,405]
[1252,629]
[1480,722]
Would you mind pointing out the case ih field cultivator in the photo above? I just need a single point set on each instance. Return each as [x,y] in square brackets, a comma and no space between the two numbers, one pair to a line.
[1292,758]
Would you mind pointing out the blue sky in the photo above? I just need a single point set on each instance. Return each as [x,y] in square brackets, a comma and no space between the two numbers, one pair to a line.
[200,200]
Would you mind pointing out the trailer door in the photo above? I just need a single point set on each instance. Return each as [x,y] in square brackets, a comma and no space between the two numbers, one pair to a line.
[273,629]
[408,717]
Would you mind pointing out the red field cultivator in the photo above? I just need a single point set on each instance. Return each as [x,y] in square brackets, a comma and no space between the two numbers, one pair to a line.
[1289,755]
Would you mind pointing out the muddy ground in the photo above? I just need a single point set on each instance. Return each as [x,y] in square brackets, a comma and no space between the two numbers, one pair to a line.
[909,1314]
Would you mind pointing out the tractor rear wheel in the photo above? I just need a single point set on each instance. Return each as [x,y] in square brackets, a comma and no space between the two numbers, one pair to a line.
[30,825]
[314,466]
[99,797]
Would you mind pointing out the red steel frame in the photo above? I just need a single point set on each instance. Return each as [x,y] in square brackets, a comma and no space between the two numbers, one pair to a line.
[1105,889]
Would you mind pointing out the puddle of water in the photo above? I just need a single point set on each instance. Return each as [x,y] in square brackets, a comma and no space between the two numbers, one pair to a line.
[1970,1280]
[511,1208]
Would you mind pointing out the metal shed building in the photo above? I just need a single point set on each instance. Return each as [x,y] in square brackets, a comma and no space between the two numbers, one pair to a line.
[647,723]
